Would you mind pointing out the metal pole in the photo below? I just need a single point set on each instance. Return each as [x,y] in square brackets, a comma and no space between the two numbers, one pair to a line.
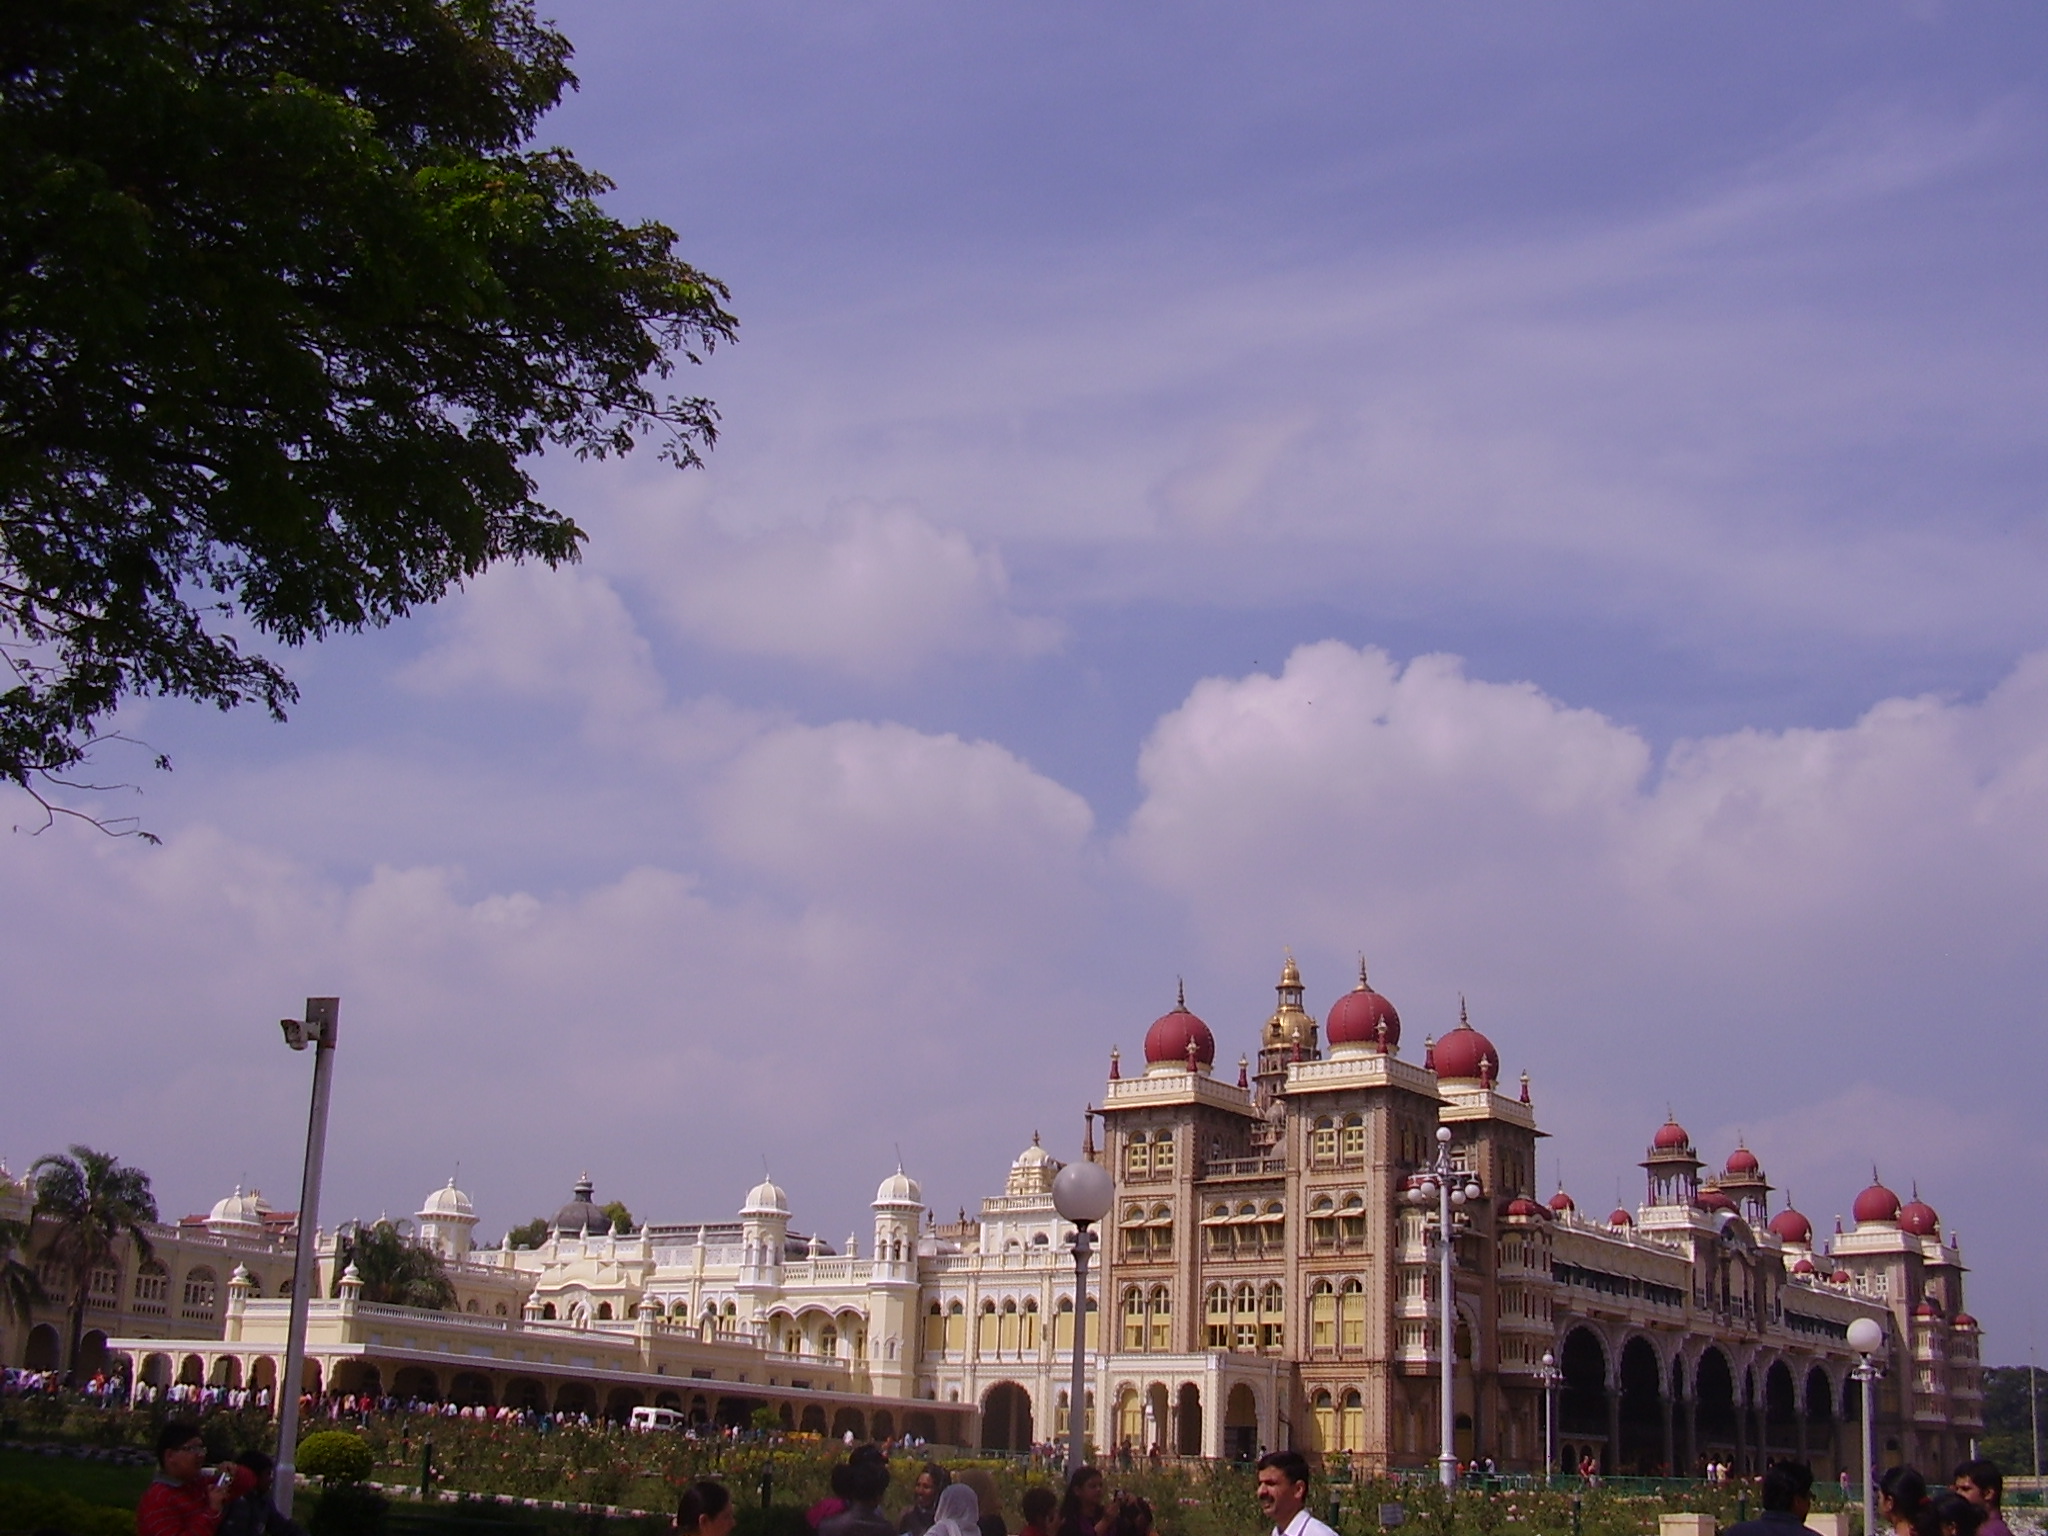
[1077,1390]
[323,1015]
[1868,1376]
[1549,1418]
[1447,1455]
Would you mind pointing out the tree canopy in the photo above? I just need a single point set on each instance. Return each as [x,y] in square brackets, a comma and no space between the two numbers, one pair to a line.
[288,300]
[394,1269]
[95,1206]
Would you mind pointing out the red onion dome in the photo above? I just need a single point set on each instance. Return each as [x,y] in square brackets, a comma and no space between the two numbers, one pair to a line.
[1803,1267]
[1927,1308]
[1522,1205]
[1875,1204]
[1356,1018]
[1743,1161]
[1792,1227]
[1713,1200]
[1167,1041]
[1620,1218]
[1562,1202]
[1919,1218]
[1839,1277]
[1670,1137]
[1964,1320]
[1465,1053]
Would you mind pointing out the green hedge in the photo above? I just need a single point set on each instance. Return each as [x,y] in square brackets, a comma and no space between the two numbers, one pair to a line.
[23,1508]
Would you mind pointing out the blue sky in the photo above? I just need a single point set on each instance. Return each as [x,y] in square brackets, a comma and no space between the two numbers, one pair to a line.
[1550,498]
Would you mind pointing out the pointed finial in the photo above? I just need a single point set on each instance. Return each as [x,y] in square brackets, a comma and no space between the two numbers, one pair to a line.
[1363,986]
[1244,1072]
[1034,1138]
[1115,1063]
[1525,1099]
[1180,993]
[1464,1018]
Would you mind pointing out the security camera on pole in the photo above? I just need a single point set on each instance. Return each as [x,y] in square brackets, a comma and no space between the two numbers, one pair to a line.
[1866,1337]
[1082,1193]
[317,1029]
[1440,1183]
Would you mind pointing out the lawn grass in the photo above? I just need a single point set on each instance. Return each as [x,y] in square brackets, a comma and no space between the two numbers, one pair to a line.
[96,1482]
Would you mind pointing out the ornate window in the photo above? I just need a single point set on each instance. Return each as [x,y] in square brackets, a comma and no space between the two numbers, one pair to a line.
[1244,1318]
[1351,1314]
[1272,1316]
[1322,1316]
[1351,1218]
[1353,1147]
[1137,1155]
[1216,1322]
[1162,1152]
[200,1291]
[1159,1315]
[1134,1319]
[1322,1140]
[1322,1222]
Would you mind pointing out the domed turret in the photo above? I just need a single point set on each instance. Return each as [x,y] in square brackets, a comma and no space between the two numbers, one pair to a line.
[1876,1205]
[1523,1206]
[1919,1218]
[238,1215]
[1792,1228]
[1362,1022]
[1670,1137]
[446,1218]
[766,1199]
[1562,1202]
[898,1189]
[1619,1217]
[1178,1040]
[446,1203]
[1032,1173]
[1672,1165]
[581,1217]
[1713,1200]
[1465,1055]
[1742,1161]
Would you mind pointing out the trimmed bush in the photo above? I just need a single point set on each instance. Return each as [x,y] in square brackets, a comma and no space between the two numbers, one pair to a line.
[335,1456]
[23,1508]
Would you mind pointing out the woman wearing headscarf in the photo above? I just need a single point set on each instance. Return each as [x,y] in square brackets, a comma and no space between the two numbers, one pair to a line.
[958,1512]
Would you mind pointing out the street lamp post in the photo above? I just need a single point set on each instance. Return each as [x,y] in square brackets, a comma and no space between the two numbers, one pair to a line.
[1548,1373]
[317,1029]
[1865,1336]
[1440,1183]
[1082,1193]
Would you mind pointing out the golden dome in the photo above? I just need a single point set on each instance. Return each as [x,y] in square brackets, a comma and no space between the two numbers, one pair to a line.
[1291,1024]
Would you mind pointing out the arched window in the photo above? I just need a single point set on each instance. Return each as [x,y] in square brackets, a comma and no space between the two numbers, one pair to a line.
[152,1286]
[1322,1222]
[472,1305]
[1351,1314]
[1159,1310]
[1216,1322]
[547,1311]
[200,1290]
[1162,1231]
[1322,1141]
[1137,1155]
[604,1311]
[1134,1319]
[1351,1422]
[1322,1316]
[1353,1148]
[1351,1218]
[828,1342]
[1324,1411]
[1244,1318]
[1272,1316]
[1162,1152]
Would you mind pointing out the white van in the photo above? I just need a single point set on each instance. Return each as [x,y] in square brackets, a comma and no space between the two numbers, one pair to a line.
[656,1418]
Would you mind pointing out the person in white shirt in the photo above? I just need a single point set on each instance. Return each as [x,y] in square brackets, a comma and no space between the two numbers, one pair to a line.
[1283,1495]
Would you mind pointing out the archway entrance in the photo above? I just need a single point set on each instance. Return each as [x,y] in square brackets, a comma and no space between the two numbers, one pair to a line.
[1241,1424]
[42,1349]
[1006,1418]
[1582,1397]
[1643,1419]
[1188,1417]
[1714,1387]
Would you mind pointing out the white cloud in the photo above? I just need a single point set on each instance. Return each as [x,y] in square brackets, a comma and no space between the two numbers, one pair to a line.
[873,592]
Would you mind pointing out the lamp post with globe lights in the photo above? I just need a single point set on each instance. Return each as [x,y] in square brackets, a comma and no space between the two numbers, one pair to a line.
[1082,1193]
[1440,1182]
[1866,1336]
[317,1029]
[1548,1373]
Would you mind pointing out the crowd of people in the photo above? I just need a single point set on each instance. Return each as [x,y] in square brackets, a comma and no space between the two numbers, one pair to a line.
[1970,1504]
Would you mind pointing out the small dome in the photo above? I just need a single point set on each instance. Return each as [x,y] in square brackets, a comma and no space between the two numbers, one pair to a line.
[1562,1202]
[766,1199]
[1522,1205]
[1792,1227]
[1742,1162]
[1839,1277]
[1927,1308]
[897,1189]
[1919,1218]
[1167,1041]
[1713,1200]
[1033,1171]
[1670,1137]
[447,1204]
[1964,1320]
[1357,1017]
[238,1210]
[1465,1055]
[580,1217]
[1875,1204]
[1618,1217]
[1803,1267]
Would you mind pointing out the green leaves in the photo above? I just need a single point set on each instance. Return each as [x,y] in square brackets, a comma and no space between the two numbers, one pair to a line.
[286,301]
[394,1269]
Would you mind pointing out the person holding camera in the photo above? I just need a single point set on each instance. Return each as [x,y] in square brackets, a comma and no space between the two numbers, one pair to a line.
[182,1500]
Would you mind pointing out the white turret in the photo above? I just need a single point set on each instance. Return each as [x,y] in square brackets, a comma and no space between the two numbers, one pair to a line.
[764,1227]
[899,1207]
[447,1221]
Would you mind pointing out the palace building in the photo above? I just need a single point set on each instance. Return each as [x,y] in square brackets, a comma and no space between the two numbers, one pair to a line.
[1263,1283]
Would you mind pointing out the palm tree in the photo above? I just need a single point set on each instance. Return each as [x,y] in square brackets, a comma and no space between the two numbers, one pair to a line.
[20,1291]
[95,1204]
[394,1269]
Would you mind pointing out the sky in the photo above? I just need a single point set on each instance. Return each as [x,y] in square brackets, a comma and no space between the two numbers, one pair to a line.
[1549,500]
